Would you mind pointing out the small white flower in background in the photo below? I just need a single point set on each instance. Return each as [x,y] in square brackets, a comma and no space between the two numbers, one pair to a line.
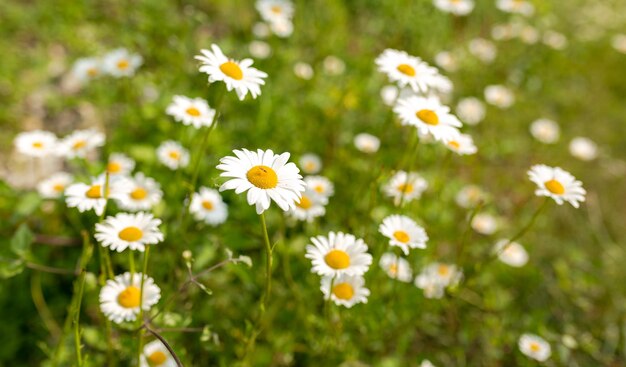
[144,194]
[121,63]
[499,96]
[555,40]
[133,231]
[535,347]
[275,10]
[303,70]
[237,75]
[511,253]
[441,86]
[265,176]
[54,186]
[484,223]
[456,7]
[544,130]
[366,143]
[619,43]
[310,206]
[583,148]
[447,61]
[261,30]
[557,184]
[426,363]
[259,49]
[191,111]
[87,197]
[338,254]
[334,65]
[80,143]
[406,70]
[403,232]
[86,69]
[120,164]
[529,35]
[429,116]
[435,277]
[173,155]
[121,296]
[396,267]
[36,143]
[405,187]
[470,110]
[462,145]
[207,205]
[310,163]
[155,354]
[389,94]
[522,7]
[483,49]
[347,290]
[283,28]
[320,188]
[470,196]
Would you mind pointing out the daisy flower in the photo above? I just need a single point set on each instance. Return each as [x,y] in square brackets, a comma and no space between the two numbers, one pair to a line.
[429,116]
[173,155]
[121,63]
[303,70]
[511,253]
[121,296]
[484,223]
[133,231]
[191,111]
[405,69]
[389,94]
[463,144]
[470,196]
[396,267]
[144,193]
[535,347]
[309,207]
[405,186]
[275,10]
[237,75]
[456,7]
[120,164]
[558,184]
[80,143]
[36,143]
[447,61]
[320,188]
[86,69]
[583,148]
[435,277]
[483,49]
[338,254]
[470,110]
[282,27]
[544,130]
[366,143]
[403,232]
[53,186]
[207,206]
[155,354]
[333,65]
[265,176]
[87,197]
[347,290]
[310,163]
[499,96]
[260,49]
[522,7]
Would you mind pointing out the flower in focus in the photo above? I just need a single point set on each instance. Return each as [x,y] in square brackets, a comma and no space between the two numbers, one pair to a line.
[456,7]
[133,231]
[265,176]
[36,143]
[86,197]
[120,164]
[483,49]
[173,155]
[535,347]
[484,223]
[511,253]
[470,110]
[463,144]
[557,184]
[405,69]
[338,254]
[144,194]
[470,196]
[499,96]
[366,143]
[53,186]
[436,277]
[583,148]
[207,205]
[405,186]
[191,111]
[403,232]
[310,163]
[347,290]
[396,267]
[545,131]
[80,143]
[522,7]
[86,69]
[121,296]
[429,116]
[320,188]
[155,354]
[121,63]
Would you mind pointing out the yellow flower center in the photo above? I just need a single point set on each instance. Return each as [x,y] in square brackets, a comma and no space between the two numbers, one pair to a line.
[157,358]
[207,205]
[114,167]
[79,144]
[310,166]
[405,188]
[393,269]
[123,64]
[174,155]
[94,192]
[129,297]
[92,72]
[554,187]
[454,144]
[428,117]
[58,187]
[337,259]
[192,111]
[343,291]
[276,9]
[401,236]
[305,203]
[38,145]
[130,234]
[535,347]
[232,70]
[263,177]
[443,270]
[138,193]
[319,189]
[406,69]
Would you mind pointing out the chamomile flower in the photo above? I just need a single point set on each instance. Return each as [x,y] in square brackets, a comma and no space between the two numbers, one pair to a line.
[456,7]
[120,164]
[338,254]
[367,143]
[389,94]
[396,267]
[260,49]
[447,61]
[191,111]
[511,253]
[470,110]
[173,155]
[121,63]
[237,75]
[36,143]
[333,65]
[310,163]
[144,193]
[87,197]
[320,188]
[265,176]
[121,296]
[483,49]
[403,232]
[87,69]
[309,207]
[499,96]
[463,144]
[207,206]
[484,223]
[133,231]
[275,10]
[405,186]
[429,116]
[282,27]
[535,347]
[435,277]
[345,290]
[303,70]
[545,131]
[583,148]
[406,70]
[53,186]
[522,7]
[80,143]
[155,354]
[557,184]
[470,196]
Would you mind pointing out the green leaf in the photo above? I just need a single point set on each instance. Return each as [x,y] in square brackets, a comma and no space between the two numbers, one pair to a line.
[10,267]
[21,240]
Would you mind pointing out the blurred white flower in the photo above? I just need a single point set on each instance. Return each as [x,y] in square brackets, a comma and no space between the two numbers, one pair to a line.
[172,155]
[259,49]
[321,188]
[191,111]
[435,277]
[484,223]
[366,143]
[406,70]
[447,61]
[80,143]
[619,43]
[545,131]
[121,63]
[207,206]
[583,148]
[403,232]
[310,206]
[86,69]
[54,186]
[535,347]
[456,7]
[529,35]
[502,32]
[303,70]
[36,143]
[555,40]
[483,49]
[522,7]
[499,96]
[463,144]
[120,164]
[144,194]
[347,290]
[155,354]
[334,65]
[396,267]
[405,187]
[511,253]
[428,115]
[470,110]
[275,10]
[261,30]
[389,94]
[470,196]
[87,197]
[310,163]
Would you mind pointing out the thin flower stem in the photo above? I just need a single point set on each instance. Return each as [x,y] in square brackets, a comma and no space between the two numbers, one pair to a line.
[131,264]
[42,306]
[79,288]
[140,318]
[166,344]
[268,263]
[530,223]
[465,235]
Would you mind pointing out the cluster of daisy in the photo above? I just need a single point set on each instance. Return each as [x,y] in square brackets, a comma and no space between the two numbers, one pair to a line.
[43,144]
[118,63]
[528,34]
[278,15]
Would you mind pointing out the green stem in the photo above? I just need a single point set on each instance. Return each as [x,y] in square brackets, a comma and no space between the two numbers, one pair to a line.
[530,223]
[268,263]
[140,318]
[79,288]
[131,265]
